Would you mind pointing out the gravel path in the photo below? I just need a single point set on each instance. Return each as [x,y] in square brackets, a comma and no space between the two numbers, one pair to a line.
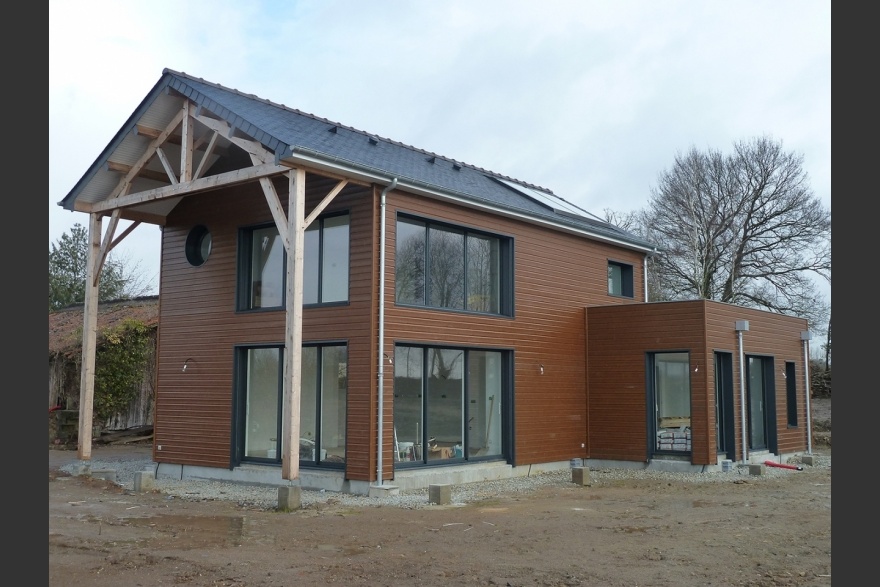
[266,497]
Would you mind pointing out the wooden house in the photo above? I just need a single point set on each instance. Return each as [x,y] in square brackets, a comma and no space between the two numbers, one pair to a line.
[349,312]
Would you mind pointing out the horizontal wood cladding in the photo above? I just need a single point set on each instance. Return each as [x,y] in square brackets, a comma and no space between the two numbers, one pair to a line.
[619,340]
[556,275]
[199,322]
[769,335]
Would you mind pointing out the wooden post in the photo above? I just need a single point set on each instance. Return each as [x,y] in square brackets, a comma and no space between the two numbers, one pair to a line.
[293,327]
[89,340]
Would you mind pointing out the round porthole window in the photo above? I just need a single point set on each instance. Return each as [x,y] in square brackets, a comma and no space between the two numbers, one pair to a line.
[198,245]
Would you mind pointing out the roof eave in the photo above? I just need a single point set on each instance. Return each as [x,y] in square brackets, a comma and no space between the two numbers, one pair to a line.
[296,156]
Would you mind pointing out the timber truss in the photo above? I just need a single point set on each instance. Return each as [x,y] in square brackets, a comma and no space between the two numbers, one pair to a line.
[210,154]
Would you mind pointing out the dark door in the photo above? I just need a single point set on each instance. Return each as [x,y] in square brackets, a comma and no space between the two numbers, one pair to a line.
[760,400]
[725,431]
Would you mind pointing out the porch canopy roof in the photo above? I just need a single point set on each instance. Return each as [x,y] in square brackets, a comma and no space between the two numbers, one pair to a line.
[189,135]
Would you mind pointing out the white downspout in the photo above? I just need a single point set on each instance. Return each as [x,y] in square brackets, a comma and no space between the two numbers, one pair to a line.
[742,325]
[645,275]
[805,337]
[381,353]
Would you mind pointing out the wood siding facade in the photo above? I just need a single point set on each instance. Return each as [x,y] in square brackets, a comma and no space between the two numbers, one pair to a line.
[619,343]
[199,321]
[555,276]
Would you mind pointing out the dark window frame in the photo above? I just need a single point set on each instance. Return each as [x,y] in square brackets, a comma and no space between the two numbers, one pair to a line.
[627,279]
[791,394]
[507,398]
[505,265]
[240,399]
[244,298]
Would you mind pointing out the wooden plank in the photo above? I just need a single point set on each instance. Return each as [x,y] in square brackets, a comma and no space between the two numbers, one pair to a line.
[212,182]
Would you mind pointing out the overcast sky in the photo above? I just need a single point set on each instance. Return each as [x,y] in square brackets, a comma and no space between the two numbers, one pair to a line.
[591,99]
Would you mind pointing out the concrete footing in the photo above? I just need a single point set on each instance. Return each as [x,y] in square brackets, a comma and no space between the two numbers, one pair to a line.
[757,469]
[289,497]
[144,481]
[105,474]
[440,494]
[809,460]
[382,491]
[580,476]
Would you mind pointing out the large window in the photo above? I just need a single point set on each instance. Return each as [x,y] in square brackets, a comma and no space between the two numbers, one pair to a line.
[448,404]
[620,279]
[441,266]
[323,403]
[263,264]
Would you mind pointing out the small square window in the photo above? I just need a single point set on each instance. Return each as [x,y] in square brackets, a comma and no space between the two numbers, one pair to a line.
[620,279]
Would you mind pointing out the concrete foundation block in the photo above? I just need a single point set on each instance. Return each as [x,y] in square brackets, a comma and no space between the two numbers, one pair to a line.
[809,460]
[580,476]
[383,491]
[440,494]
[757,469]
[105,474]
[289,497]
[144,481]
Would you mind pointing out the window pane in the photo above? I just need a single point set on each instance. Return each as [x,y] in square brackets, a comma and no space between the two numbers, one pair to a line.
[484,403]
[334,386]
[409,273]
[335,259]
[445,406]
[267,269]
[261,408]
[757,430]
[445,268]
[408,393]
[308,408]
[615,280]
[311,246]
[672,390]
[483,262]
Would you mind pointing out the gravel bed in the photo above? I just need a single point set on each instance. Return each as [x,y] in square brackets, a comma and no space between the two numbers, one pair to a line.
[266,497]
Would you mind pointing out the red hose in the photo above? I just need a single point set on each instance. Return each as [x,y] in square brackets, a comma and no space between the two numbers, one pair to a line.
[782,466]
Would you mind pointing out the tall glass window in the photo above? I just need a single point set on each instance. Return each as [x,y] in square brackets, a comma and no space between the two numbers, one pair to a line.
[447,404]
[263,264]
[672,401]
[323,404]
[266,283]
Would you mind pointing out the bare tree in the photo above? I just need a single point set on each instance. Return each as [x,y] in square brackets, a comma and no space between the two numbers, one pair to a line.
[743,228]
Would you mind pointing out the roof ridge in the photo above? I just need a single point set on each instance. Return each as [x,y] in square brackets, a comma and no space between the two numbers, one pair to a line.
[353,129]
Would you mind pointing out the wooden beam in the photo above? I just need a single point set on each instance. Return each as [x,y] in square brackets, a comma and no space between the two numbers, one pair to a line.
[325,202]
[255,148]
[125,232]
[187,126]
[146,131]
[148,154]
[105,246]
[277,211]
[167,165]
[204,184]
[209,151]
[145,173]
[89,341]
[293,330]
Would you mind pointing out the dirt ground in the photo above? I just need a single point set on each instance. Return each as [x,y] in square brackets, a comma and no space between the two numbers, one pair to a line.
[746,532]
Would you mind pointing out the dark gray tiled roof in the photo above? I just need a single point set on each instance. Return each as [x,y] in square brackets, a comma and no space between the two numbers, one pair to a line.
[282,130]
